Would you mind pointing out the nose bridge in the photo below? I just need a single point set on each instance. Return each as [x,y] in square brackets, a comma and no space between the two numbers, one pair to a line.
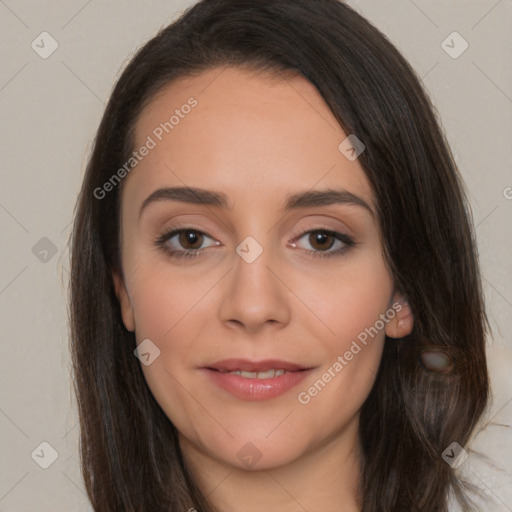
[252,268]
[254,295]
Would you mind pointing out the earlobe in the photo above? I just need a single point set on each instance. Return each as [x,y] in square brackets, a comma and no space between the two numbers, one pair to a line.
[402,323]
[124,302]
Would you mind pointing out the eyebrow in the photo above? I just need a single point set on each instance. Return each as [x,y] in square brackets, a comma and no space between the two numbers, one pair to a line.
[307,199]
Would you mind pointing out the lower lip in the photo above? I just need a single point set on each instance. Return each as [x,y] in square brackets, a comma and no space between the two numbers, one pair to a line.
[256,389]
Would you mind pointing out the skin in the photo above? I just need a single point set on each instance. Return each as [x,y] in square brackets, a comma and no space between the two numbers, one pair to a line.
[257,139]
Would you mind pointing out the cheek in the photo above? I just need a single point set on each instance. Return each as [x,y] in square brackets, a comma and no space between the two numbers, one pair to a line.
[163,300]
[362,297]
[351,304]
[344,300]
[172,318]
[172,309]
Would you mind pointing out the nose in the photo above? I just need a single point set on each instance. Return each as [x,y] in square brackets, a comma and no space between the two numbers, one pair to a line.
[255,295]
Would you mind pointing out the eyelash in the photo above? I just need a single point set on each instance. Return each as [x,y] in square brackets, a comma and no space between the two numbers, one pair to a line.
[161,242]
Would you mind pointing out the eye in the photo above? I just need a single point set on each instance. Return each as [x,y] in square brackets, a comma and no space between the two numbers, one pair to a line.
[190,240]
[323,241]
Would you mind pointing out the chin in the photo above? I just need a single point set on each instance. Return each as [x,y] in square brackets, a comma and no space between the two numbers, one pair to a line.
[263,455]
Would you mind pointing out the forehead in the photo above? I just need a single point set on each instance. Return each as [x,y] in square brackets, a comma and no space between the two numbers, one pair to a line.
[239,130]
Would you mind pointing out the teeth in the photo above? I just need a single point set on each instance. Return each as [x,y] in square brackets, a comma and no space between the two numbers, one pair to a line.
[268,374]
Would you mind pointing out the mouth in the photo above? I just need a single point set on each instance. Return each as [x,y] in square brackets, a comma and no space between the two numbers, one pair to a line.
[256,380]
[267,374]
[247,366]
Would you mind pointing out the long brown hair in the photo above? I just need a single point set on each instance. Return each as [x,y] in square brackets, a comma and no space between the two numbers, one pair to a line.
[129,452]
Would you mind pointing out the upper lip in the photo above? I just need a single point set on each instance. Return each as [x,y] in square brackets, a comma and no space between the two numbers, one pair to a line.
[246,365]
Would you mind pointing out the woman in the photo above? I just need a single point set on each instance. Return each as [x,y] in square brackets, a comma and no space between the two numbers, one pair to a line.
[275,296]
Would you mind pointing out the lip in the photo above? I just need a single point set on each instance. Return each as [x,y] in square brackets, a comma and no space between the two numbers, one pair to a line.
[245,365]
[255,389]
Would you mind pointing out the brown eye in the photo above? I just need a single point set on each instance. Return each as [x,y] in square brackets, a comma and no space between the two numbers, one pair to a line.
[190,239]
[185,242]
[325,243]
[321,240]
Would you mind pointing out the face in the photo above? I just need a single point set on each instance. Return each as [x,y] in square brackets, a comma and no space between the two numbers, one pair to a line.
[255,269]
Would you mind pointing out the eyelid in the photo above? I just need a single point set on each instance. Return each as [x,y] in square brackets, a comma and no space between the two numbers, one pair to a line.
[322,222]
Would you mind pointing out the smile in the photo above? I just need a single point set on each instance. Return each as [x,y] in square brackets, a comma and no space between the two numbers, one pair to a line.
[255,381]
[268,374]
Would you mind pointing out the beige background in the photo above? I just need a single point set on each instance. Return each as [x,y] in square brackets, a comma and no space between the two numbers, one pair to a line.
[50,109]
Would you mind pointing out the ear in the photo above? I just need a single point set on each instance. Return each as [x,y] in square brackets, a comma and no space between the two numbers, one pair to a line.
[124,301]
[402,323]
